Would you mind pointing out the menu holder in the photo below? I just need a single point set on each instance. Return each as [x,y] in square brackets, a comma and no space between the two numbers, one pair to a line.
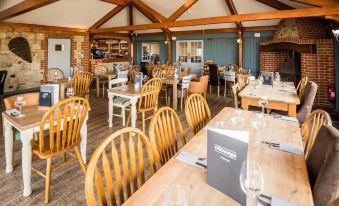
[268,78]
[49,95]
[138,80]
[226,151]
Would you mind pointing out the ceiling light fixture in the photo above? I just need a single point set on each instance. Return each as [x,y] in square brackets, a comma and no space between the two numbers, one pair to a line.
[336,34]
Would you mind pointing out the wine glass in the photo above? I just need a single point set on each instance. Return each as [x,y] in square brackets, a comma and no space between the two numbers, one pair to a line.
[251,181]
[70,92]
[237,117]
[175,196]
[263,101]
[260,79]
[277,77]
[20,102]
[258,123]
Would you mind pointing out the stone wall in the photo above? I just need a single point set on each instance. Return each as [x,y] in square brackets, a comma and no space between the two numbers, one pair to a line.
[21,72]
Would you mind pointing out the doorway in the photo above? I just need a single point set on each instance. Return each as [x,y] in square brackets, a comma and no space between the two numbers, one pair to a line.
[59,54]
[190,54]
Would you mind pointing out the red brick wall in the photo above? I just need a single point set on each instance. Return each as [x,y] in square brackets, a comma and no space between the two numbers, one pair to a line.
[85,47]
[272,61]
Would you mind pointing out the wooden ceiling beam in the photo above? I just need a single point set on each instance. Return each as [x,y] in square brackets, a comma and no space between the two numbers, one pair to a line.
[149,11]
[275,4]
[181,10]
[116,2]
[233,11]
[23,7]
[107,17]
[318,2]
[283,14]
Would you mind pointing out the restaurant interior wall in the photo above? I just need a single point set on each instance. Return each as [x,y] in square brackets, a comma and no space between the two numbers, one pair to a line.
[22,72]
[221,47]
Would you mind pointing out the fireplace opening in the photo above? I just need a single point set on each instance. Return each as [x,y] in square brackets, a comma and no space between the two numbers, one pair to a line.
[291,70]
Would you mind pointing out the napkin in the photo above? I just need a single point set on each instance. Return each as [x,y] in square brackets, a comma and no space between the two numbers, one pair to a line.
[280,202]
[286,148]
[13,112]
[286,118]
[188,158]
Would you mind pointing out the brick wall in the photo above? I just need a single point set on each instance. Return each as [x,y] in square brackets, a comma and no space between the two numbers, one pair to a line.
[272,61]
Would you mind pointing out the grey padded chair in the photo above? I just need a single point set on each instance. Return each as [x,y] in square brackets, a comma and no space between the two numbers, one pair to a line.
[323,166]
[306,102]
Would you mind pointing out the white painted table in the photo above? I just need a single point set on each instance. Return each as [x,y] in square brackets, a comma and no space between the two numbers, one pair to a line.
[27,126]
[129,92]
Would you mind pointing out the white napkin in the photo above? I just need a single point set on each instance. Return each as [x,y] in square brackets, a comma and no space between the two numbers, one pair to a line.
[287,148]
[188,158]
[282,117]
[280,202]
[13,112]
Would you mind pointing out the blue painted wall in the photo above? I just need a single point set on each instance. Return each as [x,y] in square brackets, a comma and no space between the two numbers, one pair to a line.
[222,48]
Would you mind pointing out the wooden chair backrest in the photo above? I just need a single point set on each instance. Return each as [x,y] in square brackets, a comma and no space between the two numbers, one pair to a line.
[236,90]
[117,174]
[311,126]
[81,83]
[100,69]
[185,82]
[197,112]
[131,74]
[31,99]
[64,121]
[55,73]
[186,71]
[301,86]
[169,70]
[166,134]
[241,81]
[149,95]
[157,72]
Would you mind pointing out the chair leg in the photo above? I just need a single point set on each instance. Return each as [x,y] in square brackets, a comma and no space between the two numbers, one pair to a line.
[64,156]
[128,119]
[210,89]
[81,161]
[143,122]
[181,101]
[225,90]
[123,116]
[48,179]
[103,90]
[218,91]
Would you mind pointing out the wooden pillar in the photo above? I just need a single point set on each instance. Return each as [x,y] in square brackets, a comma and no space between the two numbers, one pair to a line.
[240,48]
[169,47]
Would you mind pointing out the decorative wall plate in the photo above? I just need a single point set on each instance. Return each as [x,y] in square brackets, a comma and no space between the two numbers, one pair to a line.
[20,47]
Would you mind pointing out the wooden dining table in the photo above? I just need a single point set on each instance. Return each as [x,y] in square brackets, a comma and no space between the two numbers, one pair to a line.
[109,76]
[27,126]
[285,174]
[282,96]
[63,83]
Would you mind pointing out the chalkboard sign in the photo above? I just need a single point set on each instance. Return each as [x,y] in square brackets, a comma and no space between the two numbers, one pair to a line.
[268,78]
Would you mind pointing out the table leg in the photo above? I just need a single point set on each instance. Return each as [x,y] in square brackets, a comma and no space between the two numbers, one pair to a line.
[83,143]
[175,99]
[134,112]
[26,152]
[110,110]
[244,103]
[8,134]
[97,85]
[292,110]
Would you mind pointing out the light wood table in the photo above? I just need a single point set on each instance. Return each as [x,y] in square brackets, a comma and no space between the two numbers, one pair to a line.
[282,96]
[28,125]
[63,83]
[129,92]
[285,174]
[109,77]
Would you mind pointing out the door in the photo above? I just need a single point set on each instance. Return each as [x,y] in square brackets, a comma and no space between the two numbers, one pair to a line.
[59,55]
[190,54]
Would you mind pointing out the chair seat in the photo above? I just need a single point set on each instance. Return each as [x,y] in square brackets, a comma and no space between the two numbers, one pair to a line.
[121,101]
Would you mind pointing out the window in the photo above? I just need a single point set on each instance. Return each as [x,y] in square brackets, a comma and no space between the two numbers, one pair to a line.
[150,52]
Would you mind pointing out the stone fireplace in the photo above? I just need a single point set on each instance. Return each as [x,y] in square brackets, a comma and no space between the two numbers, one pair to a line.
[302,47]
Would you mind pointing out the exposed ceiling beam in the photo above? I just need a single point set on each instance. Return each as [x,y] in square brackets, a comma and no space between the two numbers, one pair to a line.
[181,10]
[283,14]
[333,17]
[318,2]
[23,7]
[148,11]
[276,4]
[233,11]
[116,2]
[107,17]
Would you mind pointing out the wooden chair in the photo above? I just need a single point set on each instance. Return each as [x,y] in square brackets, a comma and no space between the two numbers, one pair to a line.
[149,100]
[98,70]
[63,135]
[182,90]
[81,83]
[55,74]
[236,90]
[229,77]
[311,126]
[158,73]
[199,87]
[131,74]
[197,112]
[121,102]
[111,182]
[241,80]
[166,134]
[301,86]
[169,70]
[185,71]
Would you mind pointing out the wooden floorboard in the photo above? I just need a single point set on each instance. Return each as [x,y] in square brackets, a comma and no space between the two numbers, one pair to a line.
[68,183]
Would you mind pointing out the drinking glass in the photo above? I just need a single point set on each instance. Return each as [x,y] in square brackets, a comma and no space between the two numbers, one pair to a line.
[237,117]
[263,102]
[258,123]
[260,79]
[175,196]
[70,92]
[20,102]
[251,181]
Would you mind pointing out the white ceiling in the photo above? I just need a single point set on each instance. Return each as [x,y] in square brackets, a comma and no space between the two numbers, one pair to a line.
[84,13]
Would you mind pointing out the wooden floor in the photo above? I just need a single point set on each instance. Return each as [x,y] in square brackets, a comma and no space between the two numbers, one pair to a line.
[68,183]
